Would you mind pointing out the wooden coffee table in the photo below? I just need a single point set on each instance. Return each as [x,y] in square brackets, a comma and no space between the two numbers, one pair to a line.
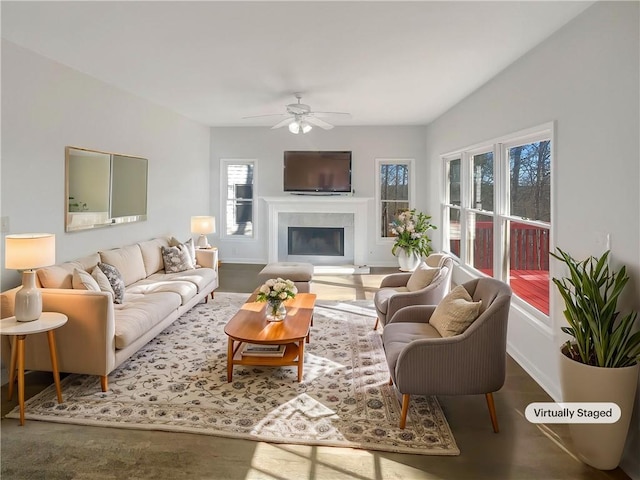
[250,325]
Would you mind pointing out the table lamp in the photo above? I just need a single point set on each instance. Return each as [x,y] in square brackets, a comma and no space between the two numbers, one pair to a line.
[203,225]
[27,252]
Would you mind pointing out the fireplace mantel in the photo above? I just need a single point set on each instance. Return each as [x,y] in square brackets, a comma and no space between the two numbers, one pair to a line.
[320,204]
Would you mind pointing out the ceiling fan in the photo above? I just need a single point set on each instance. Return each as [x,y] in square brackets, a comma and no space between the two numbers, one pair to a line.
[300,117]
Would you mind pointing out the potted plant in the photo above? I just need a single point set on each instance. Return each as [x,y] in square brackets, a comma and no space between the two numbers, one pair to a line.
[600,361]
[412,241]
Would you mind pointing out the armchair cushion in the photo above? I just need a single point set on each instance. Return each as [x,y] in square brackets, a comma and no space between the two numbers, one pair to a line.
[421,277]
[397,338]
[455,312]
[381,299]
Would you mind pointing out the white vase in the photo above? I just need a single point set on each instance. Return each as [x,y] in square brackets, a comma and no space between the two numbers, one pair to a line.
[408,261]
[599,445]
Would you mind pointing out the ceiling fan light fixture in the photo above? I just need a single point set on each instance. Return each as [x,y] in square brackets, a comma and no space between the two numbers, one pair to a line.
[306,128]
[294,127]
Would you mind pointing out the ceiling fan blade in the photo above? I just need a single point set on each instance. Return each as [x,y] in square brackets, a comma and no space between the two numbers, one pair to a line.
[328,114]
[268,115]
[318,123]
[284,122]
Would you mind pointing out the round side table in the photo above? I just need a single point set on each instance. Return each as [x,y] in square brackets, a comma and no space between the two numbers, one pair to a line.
[47,322]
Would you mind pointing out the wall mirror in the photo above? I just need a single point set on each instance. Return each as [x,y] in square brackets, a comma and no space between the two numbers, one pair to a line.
[103,189]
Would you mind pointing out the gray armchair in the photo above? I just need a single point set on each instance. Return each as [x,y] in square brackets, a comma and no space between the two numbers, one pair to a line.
[422,362]
[394,295]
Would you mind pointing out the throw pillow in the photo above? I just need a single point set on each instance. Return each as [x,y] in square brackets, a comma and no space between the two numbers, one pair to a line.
[421,277]
[191,247]
[82,280]
[115,280]
[102,280]
[177,259]
[455,313]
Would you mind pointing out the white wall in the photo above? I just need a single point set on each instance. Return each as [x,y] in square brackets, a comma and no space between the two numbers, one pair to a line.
[46,106]
[267,147]
[586,79]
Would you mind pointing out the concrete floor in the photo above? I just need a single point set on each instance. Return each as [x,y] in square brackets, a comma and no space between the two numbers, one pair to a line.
[43,450]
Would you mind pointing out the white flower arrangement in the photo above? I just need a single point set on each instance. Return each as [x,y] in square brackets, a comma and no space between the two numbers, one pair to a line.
[410,230]
[276,290]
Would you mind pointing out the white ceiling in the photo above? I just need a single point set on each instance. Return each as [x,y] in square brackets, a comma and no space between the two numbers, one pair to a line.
[387,63]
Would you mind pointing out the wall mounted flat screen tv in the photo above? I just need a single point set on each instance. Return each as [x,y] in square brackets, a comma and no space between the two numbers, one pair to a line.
[321,172]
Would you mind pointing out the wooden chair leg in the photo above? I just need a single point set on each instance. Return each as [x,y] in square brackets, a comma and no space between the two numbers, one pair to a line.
[492,412]
[390,380]
[405,409]
[104,383]
[375,327]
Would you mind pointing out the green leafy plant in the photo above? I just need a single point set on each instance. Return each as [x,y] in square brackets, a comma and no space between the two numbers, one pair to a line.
[601,336]
[410,228]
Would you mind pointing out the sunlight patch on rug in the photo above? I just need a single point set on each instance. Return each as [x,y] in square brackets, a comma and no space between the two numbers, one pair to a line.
[177,382]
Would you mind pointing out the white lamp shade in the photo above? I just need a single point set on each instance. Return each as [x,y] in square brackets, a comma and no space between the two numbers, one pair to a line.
[29,250]
[203,225]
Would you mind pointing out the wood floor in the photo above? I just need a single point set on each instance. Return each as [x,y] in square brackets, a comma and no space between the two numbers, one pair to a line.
[44,450]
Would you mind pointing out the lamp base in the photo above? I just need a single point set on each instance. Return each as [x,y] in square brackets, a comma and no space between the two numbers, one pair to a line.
[203,242]
[28,305]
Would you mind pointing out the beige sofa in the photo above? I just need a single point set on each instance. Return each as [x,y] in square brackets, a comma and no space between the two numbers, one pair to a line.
[100,334]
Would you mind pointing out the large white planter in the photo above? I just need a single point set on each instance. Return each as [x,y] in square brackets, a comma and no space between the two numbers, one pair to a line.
[599,445]
[408,261]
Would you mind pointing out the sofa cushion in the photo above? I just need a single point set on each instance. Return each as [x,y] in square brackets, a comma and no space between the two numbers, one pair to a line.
[82,280]
[152,255]
[139,315]
[115,280]
[200,277]
[455,312]
[191,248]
[421,277]
[57,276]
[89,262]
[383,295]
[186,290]
[103,281]
[128,261]
[177,259]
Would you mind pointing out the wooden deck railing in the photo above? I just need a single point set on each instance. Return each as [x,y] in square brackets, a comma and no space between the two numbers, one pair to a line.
[529,259]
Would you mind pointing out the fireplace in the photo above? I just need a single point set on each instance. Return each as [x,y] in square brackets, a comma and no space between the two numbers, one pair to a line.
[325,241]
[348,213]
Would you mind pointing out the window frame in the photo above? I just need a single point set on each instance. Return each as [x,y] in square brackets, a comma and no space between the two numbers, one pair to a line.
[501,212]
[410,162]
[224,187]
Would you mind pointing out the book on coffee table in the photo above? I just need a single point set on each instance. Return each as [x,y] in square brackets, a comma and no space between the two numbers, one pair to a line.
[253,349]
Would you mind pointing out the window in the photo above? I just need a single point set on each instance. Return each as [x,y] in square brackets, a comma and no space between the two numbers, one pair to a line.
[453,202]
[394,191]
[528,221]
[238,176]
[497,207]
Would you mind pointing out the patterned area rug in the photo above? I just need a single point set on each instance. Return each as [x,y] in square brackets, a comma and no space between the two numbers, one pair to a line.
[177,382]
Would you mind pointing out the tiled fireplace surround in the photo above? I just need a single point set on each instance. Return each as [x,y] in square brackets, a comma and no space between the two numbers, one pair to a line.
[351,213]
